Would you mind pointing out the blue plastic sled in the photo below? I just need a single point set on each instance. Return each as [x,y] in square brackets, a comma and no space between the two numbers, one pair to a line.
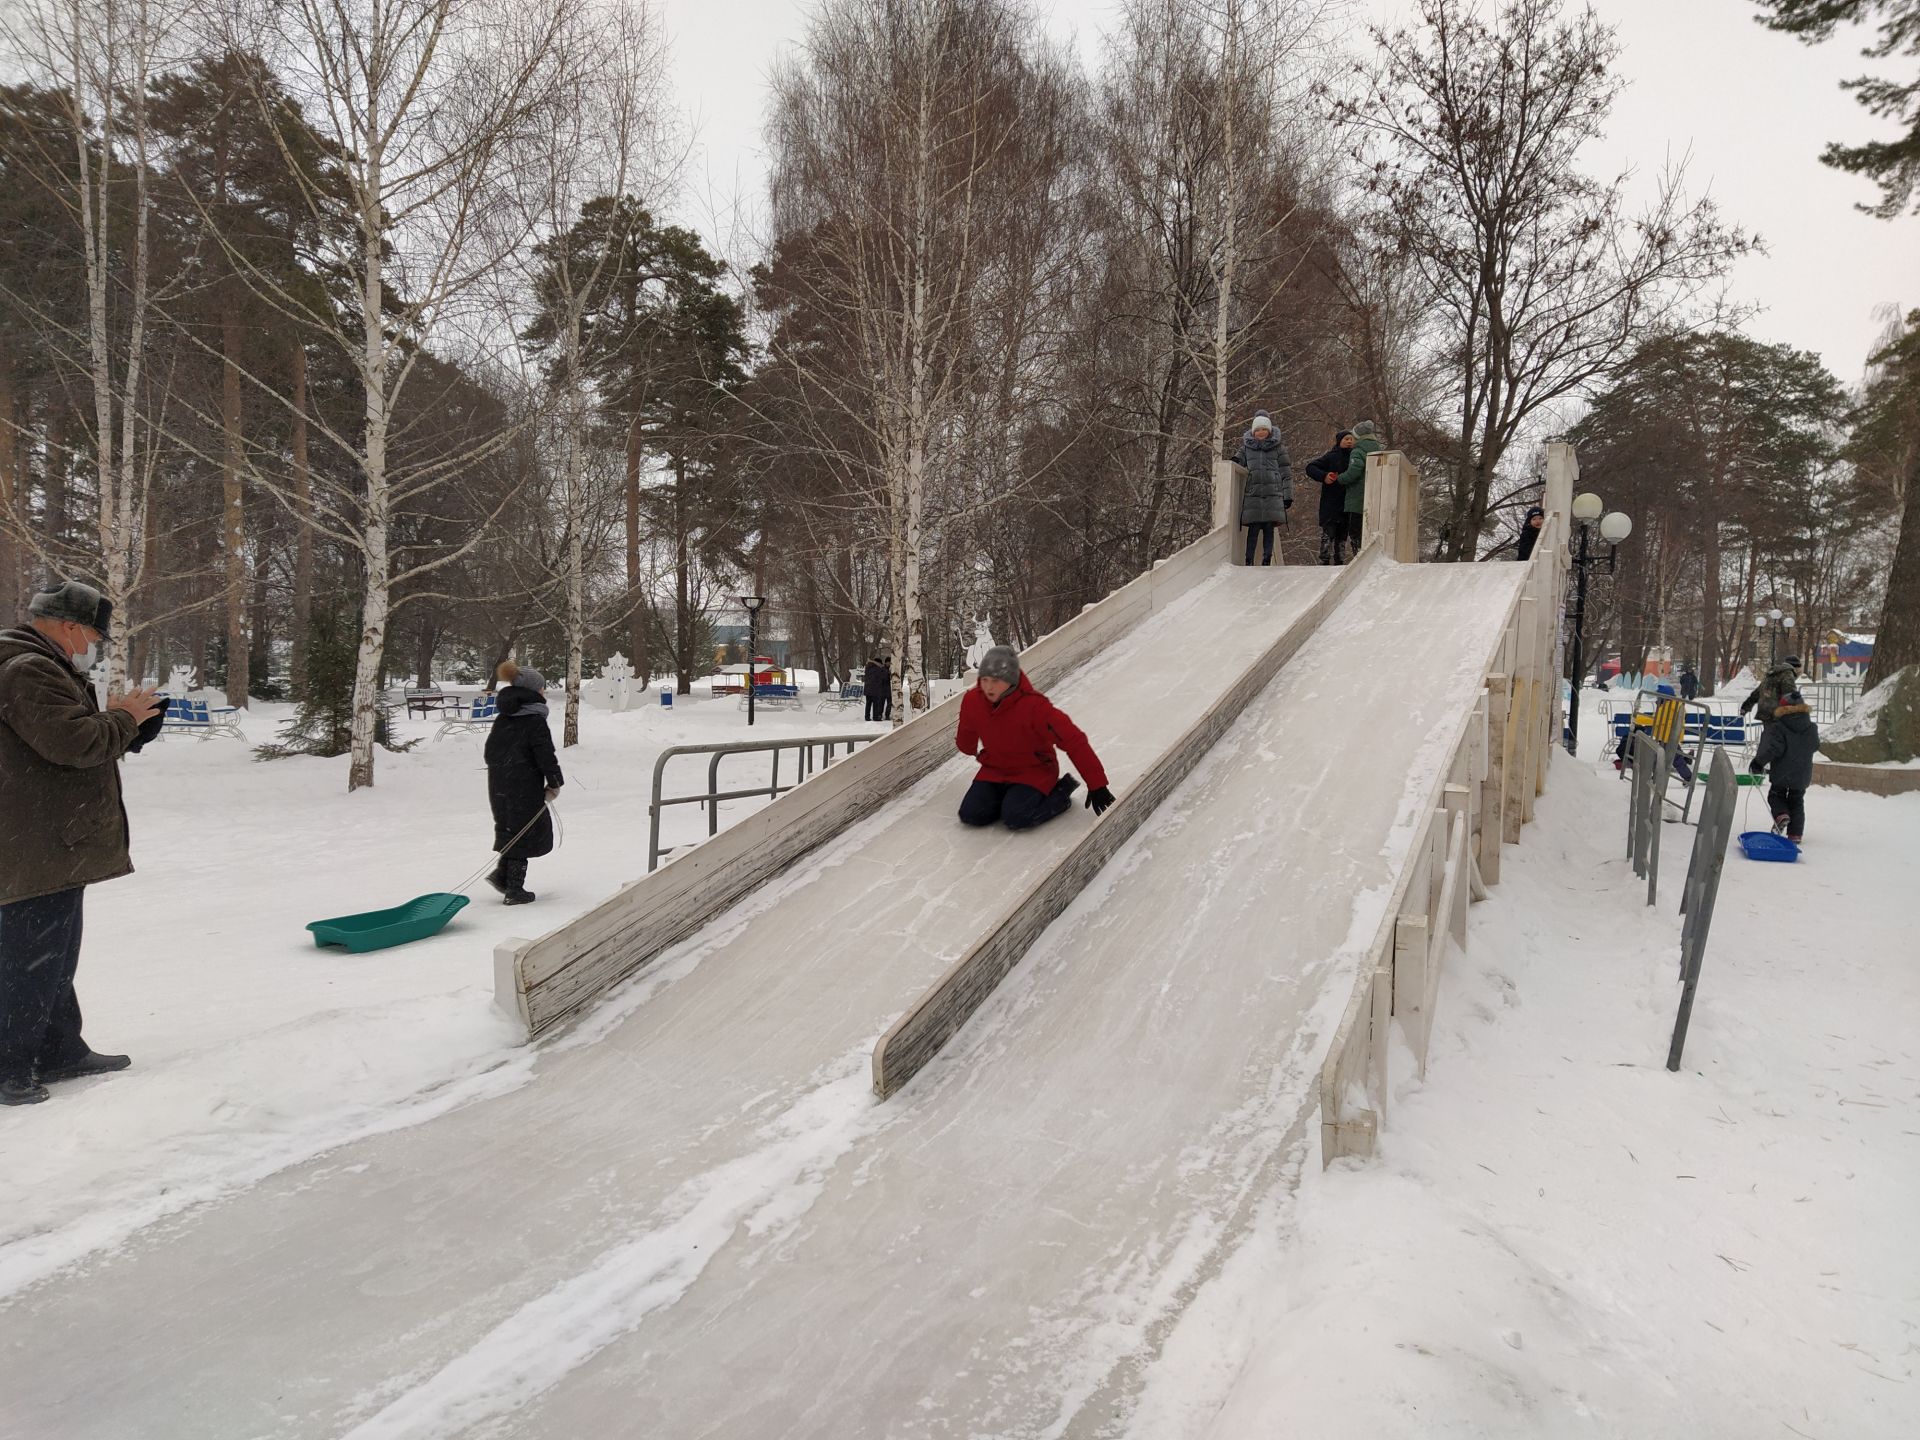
[1764,845]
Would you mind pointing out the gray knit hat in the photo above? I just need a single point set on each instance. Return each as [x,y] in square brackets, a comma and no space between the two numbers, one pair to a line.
[1002,662]
[1365,430]
[76,603]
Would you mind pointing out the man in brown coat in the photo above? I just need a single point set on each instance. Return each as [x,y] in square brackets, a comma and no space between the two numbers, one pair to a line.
[62,828]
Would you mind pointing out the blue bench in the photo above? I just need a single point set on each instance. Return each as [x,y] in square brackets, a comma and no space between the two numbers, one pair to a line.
[774,697]
[196,717]
[848,695]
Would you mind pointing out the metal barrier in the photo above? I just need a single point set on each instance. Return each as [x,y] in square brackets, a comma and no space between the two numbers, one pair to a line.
[713,795]
[1702,889]
[1829,699]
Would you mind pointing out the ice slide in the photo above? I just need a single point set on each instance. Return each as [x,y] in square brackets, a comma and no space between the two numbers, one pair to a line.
[696,1220]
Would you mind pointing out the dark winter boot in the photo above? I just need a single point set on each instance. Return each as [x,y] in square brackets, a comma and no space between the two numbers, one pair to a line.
[498,881]
[520,897]
[21,1092]
[91,1063]
[510,879]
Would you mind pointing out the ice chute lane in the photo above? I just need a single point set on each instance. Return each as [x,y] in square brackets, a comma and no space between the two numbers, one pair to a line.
[687,1087]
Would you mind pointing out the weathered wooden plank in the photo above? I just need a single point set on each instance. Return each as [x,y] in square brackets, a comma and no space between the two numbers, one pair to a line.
[543,981]
[1493,790]
[937,1016]
[1410,945]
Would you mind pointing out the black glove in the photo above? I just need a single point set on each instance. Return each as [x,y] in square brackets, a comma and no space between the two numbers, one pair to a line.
[1287,504]
[1099,800]
[150,727]
[1756,769]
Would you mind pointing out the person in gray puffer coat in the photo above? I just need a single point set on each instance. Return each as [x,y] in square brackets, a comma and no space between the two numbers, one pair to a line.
[1787,747]
[1269,493]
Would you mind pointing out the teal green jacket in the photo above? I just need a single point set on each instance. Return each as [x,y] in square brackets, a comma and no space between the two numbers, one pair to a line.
[1353,479]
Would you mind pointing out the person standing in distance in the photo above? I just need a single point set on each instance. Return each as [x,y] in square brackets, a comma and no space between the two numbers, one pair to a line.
[1269,492]
[63,827]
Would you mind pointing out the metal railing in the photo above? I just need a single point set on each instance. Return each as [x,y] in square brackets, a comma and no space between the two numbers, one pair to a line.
[1829,699]
[713,794]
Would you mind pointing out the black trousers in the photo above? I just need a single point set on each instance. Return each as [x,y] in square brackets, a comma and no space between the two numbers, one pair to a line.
[1352,521]
[1333,539]
[1262,531]
[880,707]
[1018,807]
[514,872]
[39,1012]
[1790,805]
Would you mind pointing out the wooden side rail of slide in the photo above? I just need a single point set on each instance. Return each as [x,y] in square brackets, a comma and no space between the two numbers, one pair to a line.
[541,983]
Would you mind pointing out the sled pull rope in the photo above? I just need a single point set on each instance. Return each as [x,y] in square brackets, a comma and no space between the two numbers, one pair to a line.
[546,808]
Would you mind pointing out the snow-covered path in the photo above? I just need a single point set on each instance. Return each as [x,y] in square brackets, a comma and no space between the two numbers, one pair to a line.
[701,1108]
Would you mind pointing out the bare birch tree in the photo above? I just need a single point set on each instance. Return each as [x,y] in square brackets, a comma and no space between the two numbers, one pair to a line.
[432,104]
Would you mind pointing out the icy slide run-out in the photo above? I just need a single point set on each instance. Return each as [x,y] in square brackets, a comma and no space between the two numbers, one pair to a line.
[695,1219]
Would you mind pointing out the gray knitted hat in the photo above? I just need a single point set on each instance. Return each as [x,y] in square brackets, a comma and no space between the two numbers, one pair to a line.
[76,603]
[1364,430]
[1002,662]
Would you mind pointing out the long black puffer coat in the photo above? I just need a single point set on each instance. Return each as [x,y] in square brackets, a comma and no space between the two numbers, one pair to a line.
[521,768]
[1333,499]
[1269,480]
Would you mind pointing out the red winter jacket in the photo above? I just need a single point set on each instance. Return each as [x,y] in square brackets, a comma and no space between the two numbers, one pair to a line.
[1015,740]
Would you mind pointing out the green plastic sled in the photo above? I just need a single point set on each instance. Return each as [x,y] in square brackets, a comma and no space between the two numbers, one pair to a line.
[377,929]
[1747,777]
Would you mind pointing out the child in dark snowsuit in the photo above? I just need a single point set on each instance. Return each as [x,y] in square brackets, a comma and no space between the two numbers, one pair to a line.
[1788,746]
[1529,533]
[523,774]
[1325,473]
[1013,730]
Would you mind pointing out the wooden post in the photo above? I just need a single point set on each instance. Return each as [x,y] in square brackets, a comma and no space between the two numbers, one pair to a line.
[1493,794]
[1411,936]
[1229,486]
[1393,506]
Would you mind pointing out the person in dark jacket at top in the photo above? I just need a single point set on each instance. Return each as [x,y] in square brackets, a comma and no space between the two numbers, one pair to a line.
[1353,479]
[1013,731]
[523,776]
[1529,533]
[1787,746]
[1764,698]
[1689,682]
[63,827]
[1269,493]
[1325,473]
[877,682]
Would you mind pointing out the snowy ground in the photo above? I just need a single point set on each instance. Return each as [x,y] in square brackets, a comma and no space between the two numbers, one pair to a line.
[253,1049]
[1563,1238]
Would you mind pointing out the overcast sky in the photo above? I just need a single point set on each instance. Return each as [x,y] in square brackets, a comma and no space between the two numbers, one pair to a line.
[1749,109]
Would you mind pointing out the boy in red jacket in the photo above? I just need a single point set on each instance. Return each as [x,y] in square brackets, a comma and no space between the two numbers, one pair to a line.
[1013,730]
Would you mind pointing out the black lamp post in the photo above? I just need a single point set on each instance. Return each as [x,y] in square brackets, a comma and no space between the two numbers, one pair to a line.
[1614,527]
[753,604]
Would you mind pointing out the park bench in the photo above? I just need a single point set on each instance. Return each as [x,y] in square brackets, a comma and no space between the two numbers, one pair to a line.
[196,717]
[849,695]
[774,697]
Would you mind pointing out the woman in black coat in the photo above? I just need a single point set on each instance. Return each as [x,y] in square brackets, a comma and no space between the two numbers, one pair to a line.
[1325,474]
[523,774]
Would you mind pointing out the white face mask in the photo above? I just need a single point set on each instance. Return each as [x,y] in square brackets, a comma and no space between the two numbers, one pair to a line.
[87,658]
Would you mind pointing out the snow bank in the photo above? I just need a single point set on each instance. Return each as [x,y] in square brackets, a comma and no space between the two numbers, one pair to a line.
[1562,1238]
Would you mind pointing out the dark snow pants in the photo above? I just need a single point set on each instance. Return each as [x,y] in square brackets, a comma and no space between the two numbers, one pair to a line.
[1018,807]
[39,1012]
[1263,532]
[514,874]
[1788,805]
[1333,537]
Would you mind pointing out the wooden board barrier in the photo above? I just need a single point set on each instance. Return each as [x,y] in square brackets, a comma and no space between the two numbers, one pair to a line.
[541,983]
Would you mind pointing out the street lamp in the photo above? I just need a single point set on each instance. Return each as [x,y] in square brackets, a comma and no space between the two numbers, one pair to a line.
[1614,527]
[752,604]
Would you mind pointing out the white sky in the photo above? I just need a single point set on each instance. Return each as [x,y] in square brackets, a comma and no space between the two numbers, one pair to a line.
[1751,110]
